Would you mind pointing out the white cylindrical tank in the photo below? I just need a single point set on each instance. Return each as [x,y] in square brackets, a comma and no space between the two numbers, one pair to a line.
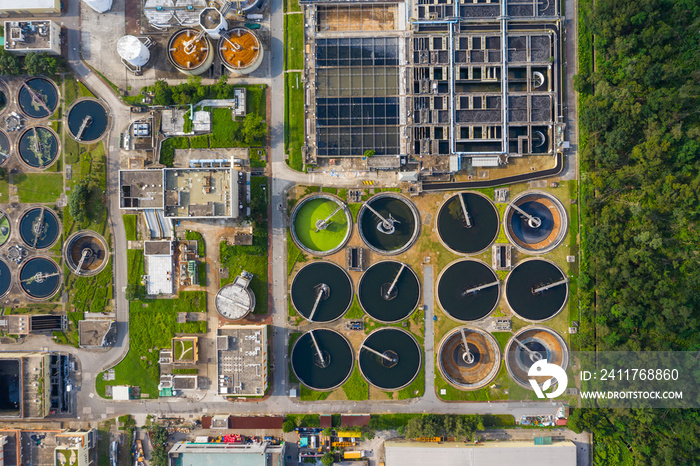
[133,50]
[100,6]
[213,22]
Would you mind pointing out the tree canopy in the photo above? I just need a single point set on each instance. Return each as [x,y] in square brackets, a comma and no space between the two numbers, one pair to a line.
[640,161]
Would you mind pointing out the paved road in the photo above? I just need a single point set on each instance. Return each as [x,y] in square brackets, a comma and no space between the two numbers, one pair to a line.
[429,343]
[92,362]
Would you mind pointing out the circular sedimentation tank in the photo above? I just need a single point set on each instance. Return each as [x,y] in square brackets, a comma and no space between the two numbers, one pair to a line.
[39,227]
[321,224]
[38,97]
[534,343]
[467,223]
[321,292]
[390,358]
[322,359]
[38,146]
[5,227]
[5,278]
[4,147]
[388,223]
[468,290]
[538,224]
[233,303]
[240,51]
[87,120]
[389,291]
[190,51]
[472,369]
[536,290]
[39,277]
[86,253]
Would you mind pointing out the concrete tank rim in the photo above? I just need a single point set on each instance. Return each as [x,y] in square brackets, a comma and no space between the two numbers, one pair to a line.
[9,222]
[498,299]
[19,283]
[416,217]
[420,357]
[352,290]
[19,222]
[359,285]
[345,340]
[12,278]
[295,211]
[9,99]
[551,331]
[530,259]
[9,152]
[107,112]
[491,339]
[58,143]
[21,86]
[78,234]
[560,208]
[498,223]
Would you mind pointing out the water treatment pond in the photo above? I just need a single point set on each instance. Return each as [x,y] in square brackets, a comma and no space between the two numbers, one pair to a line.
[321,224]
[536,290]
[463,292]
[38,147]
[321,292]
[39,277]
[472,233]
[93,114]
[39,228]
[389,291]
[322,359]
[388,223]
[38,97]
[390,358]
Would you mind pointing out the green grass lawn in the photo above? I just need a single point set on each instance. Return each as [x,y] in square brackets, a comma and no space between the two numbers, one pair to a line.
[416,388]
[305,225]
[38,187]
[294,35]
[355,311]
[167,149]
[130,222]
[294,119]
[134,257]
[294,254]
[356,387]
[90,294]
[152,324]
[4,190]
[253,258]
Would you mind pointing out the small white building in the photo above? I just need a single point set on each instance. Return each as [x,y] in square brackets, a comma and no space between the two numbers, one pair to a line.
[159,267]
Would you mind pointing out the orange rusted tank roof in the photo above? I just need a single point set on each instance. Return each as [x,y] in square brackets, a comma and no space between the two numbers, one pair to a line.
[188,49]
[239,48]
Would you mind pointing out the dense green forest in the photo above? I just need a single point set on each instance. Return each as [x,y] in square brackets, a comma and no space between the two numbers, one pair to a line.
[639,82]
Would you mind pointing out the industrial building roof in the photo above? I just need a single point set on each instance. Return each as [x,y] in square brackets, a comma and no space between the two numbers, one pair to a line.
[222,454]
[453,453]
[12,5]
[242,360]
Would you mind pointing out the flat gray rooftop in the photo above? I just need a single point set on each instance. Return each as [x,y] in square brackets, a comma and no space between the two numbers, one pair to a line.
[141,189]
[242,360]
[490,453]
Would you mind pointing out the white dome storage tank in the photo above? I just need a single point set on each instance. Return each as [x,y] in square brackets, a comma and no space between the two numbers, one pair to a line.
[132,50]
[100,6]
